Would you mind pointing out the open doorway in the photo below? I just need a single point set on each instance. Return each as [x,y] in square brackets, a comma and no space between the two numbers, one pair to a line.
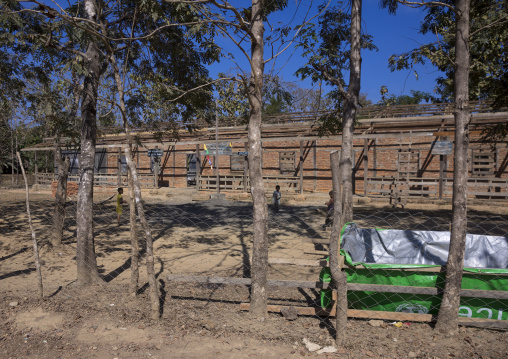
[192,168]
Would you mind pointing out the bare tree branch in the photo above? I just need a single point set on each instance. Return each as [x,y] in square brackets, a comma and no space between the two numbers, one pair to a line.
[492,24]
[298,31]
[422,3]
[444,52]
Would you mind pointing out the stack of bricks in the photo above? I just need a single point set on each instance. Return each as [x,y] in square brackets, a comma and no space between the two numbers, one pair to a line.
[72,188]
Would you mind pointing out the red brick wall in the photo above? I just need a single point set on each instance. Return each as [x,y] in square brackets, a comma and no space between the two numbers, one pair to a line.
[383,154]
[72,188]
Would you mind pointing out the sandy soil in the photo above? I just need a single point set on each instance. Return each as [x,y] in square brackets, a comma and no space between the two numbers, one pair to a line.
[195,236]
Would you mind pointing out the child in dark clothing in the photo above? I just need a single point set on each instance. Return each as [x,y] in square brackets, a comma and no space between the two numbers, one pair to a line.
[276,198]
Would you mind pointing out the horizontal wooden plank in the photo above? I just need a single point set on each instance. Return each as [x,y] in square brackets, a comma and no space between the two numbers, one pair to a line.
[351,286]
[413,269]
[501,195]
[295,261]
[493,294]
[245,281]
[425,290]
[351,313]
[392,316]
[309,311]
[391,289]
[436,269]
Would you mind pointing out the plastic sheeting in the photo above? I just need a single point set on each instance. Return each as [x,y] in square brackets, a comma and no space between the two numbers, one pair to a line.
[404,247]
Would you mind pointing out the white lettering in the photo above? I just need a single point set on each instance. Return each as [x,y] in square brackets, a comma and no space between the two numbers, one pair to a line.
[485,310]
[469,313]
[500,315]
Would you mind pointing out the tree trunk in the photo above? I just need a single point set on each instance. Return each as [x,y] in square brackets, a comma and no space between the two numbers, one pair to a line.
[150,267]
[60,198]
[34,239]
[19,164]
[85,258]
[134,240]
[258,306]
[339,278]
[350,108]
[447,322]
[135,197]
[12,159]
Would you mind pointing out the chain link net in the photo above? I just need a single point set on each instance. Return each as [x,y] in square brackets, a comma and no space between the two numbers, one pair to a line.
[196,242]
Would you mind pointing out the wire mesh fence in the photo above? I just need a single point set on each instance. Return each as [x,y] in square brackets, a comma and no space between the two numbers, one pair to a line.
[203,254]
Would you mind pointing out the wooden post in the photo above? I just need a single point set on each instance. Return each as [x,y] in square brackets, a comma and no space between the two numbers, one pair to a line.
[245,168]
[36,167]
[119,168]
[374,159]
[339,279]
[217,179]
[156,179]
[12,160]
[441,172]
[442,169]
[365,166]
[174,166]
[198,166]
[261,146]
[353,172]
[314,163]
[301,166]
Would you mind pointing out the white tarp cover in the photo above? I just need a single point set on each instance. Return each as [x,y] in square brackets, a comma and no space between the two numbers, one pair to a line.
[421,247]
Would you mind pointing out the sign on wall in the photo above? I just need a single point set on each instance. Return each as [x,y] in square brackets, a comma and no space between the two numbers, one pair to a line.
[442,148]
[224,148]
[155,152]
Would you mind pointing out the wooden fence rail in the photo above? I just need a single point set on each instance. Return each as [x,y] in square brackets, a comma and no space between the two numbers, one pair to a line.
[478,188]
[235,183]
[316,310]
[100,179]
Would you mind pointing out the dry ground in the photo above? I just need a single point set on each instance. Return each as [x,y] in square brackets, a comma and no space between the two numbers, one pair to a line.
[199,237]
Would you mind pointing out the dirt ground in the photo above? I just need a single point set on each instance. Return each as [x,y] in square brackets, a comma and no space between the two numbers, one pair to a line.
[195,236]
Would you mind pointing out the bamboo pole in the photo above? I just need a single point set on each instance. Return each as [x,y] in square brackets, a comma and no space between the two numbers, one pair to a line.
[34,240]
[152,280]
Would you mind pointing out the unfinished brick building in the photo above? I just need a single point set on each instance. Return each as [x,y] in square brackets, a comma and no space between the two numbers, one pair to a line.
[399,151]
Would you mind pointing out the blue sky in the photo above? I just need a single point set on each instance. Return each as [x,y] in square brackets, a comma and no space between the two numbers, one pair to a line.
[392,34]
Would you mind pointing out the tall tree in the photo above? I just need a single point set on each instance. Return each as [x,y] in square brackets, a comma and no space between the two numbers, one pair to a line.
[487,50]
[447,322]
[244,27]
[94,68]
[337,50]
[260,218]
[137,36]
[488,71]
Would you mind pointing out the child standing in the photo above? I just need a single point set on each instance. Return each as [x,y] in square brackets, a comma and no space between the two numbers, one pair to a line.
[276,198]
[119,201]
